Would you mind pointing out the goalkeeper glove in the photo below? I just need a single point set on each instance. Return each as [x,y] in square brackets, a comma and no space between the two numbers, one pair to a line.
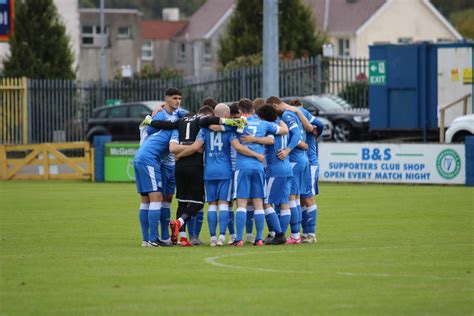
[237,122]
[146,121]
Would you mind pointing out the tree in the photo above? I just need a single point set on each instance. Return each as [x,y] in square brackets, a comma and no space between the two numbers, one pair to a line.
[446,7]
[297,31]
[39,47]
[463,21]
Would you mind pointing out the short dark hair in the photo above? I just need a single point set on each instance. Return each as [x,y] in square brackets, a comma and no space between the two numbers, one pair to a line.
[273,100]
[205,110]
[209,102]
[245,106]
[234,108]
[296,102]
[267,112]
[258,102]
[172,91]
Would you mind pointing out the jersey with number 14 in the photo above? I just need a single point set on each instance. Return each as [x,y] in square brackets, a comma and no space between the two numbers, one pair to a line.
[217,157]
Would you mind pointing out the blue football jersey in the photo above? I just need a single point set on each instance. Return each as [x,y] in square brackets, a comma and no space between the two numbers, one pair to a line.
[310,138]
[164,115]
[155,147]
[217,156]
[275,166]
[294,124]
[257,128]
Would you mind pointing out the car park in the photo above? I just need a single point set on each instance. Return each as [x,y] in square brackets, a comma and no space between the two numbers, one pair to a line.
[349,124]
[119,121]
[461,127]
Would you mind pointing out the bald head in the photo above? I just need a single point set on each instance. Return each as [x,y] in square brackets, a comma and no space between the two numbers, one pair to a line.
[222,110]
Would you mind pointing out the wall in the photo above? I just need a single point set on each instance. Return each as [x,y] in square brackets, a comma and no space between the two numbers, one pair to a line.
[402,18]
[119,51]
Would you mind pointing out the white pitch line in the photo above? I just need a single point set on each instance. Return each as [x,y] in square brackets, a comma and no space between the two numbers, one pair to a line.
[213,261]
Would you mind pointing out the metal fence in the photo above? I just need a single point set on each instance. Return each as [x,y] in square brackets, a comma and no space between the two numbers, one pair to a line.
[58,110]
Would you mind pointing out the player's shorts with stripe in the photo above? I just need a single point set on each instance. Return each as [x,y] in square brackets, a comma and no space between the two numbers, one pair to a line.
[300,178]
[190,184]
[147,177]
[249,183]
[218,190]
[168,179]
[277,190]
[312,188]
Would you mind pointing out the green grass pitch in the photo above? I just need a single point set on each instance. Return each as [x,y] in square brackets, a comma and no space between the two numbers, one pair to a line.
[72,248]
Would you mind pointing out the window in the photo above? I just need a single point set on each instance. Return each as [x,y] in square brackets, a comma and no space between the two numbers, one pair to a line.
[124,32]
[405,40]
[118,112]
[181,52]
[343,47]
[139,111]
[207,52]
[103,113]
[91,35]
[444,40]
[147,50]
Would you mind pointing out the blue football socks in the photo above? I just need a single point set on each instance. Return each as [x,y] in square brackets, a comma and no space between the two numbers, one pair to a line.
[212,219]
[223,218]
[165,220]
[154,214]
[240,220]
[143,216]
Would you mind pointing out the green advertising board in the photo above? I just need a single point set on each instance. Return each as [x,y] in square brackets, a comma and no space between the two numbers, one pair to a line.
[377,72]
[119,162]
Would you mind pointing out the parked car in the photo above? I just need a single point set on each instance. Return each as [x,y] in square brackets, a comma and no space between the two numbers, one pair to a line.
[119,121]
[328,129]
[460,128]
[349,124]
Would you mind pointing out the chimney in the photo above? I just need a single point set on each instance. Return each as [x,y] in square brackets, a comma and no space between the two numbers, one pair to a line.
[170,14]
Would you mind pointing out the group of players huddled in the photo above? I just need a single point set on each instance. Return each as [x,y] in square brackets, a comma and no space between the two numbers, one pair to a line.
[263,154]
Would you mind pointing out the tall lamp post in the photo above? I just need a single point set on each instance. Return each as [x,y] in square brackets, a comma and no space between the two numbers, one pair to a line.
[271,49]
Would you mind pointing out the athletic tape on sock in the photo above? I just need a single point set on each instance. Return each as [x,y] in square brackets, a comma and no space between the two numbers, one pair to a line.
[144,206]
[155,206]
[269,210]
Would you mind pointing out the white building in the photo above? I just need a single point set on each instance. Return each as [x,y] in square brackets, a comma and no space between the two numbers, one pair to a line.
[69,12]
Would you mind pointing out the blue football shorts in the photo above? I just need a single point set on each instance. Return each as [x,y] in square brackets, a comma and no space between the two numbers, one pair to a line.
[249,184]
[277,190]
[218,190]
[147,177]
[300,178]
[312,188]
[168,179]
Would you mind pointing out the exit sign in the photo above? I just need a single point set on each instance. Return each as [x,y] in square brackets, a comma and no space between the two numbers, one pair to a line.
[377,72]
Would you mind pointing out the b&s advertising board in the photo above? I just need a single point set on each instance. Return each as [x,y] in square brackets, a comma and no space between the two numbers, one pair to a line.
[392,163]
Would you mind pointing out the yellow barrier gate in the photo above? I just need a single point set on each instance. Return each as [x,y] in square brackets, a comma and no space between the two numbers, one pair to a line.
[13,111]
[47,161]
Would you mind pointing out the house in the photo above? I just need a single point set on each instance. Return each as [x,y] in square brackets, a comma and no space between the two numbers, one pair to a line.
[123,38]
[353,25]
[157,48]
[69,13]
[195,47]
